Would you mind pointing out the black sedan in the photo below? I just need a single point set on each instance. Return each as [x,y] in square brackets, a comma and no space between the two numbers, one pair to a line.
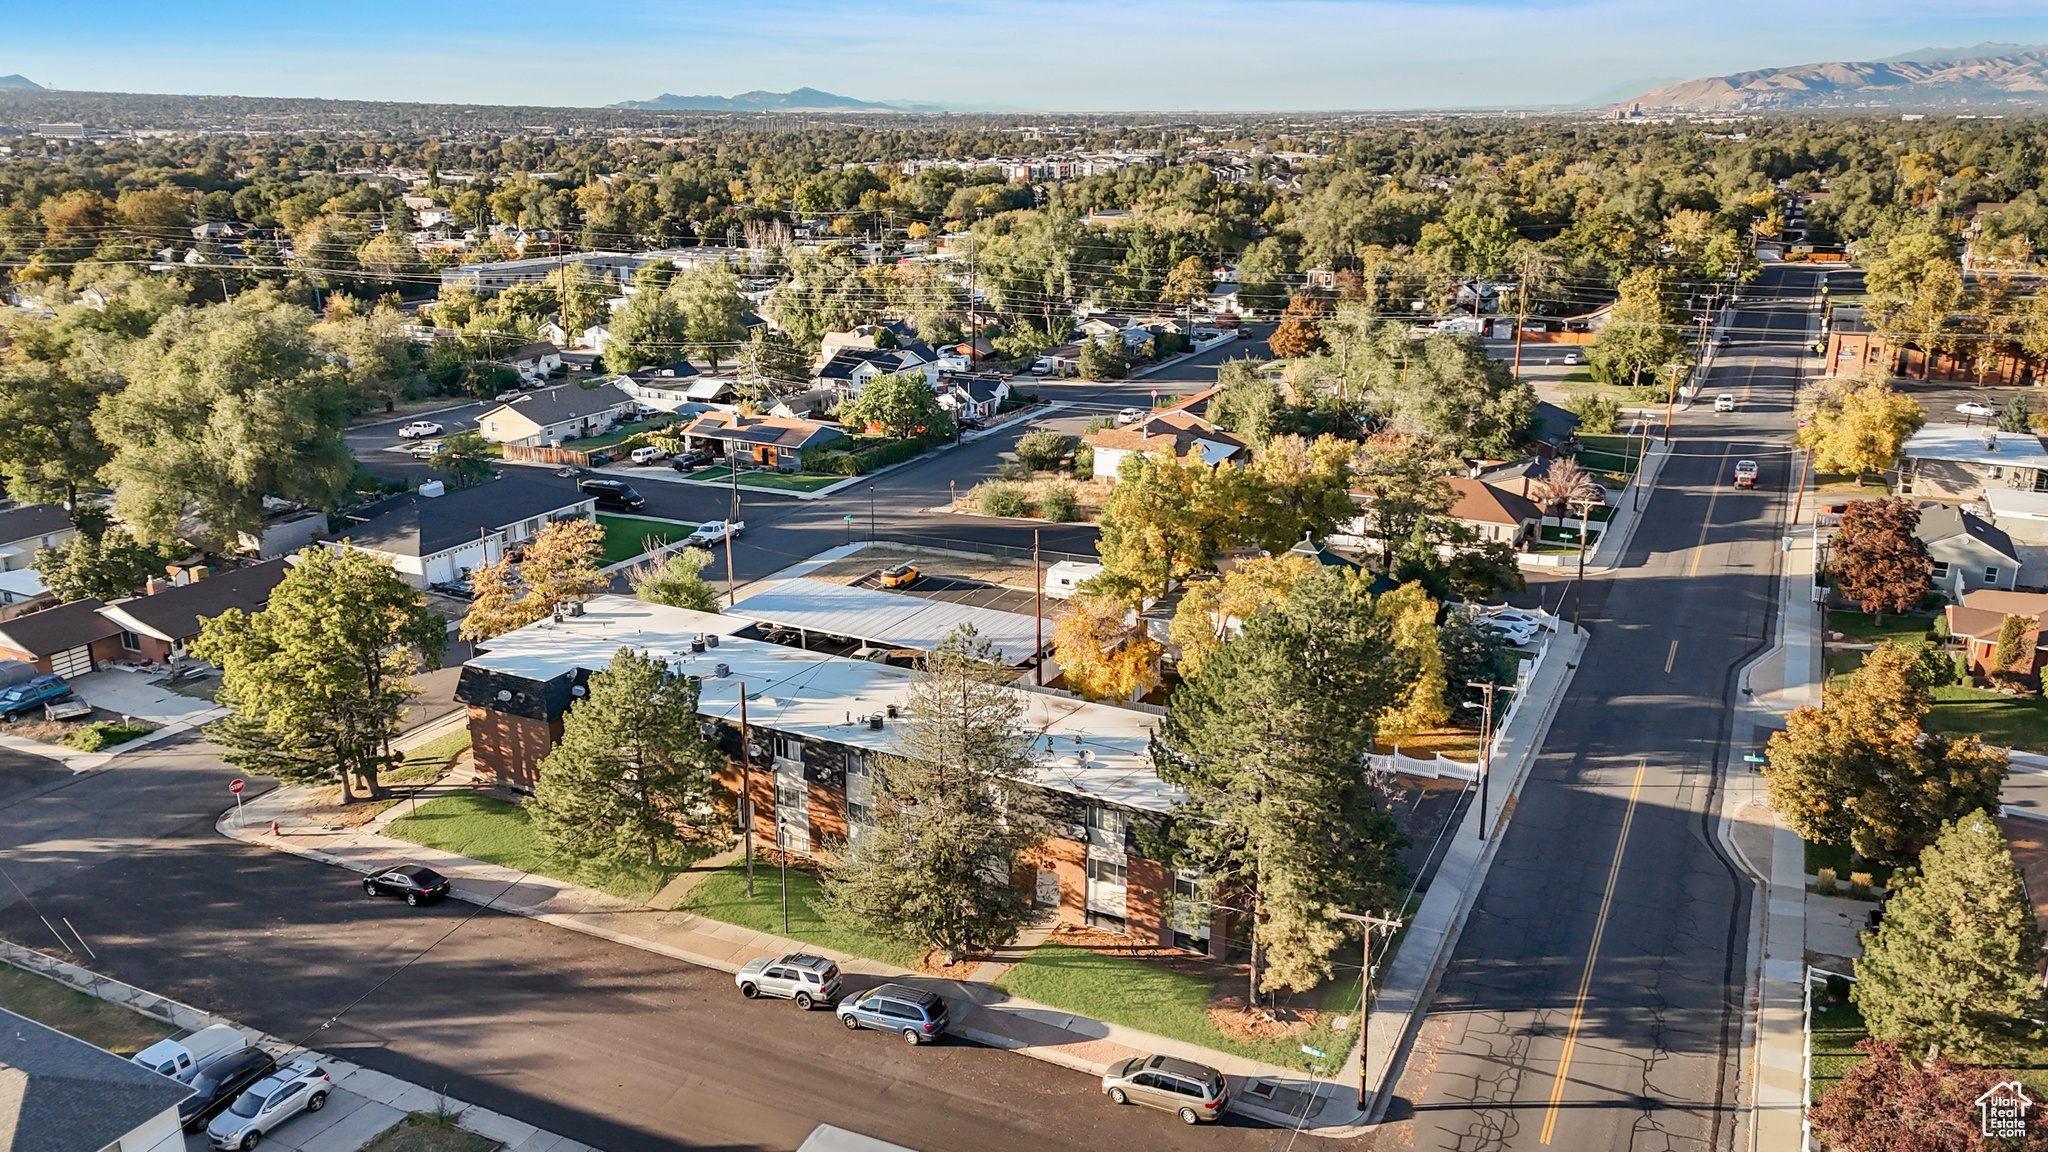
[417,883]
[220,1082]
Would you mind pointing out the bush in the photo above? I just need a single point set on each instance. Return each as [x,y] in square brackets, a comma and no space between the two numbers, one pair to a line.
[1084,462]
[1002,500]
[1826,880]
[1059,504]
[1012,471]
[869,454]
[1042,451]
[1597,414]
[102,734]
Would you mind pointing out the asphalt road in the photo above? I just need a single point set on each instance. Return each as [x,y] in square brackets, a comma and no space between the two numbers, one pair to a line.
[615,1047]
[1593,1000]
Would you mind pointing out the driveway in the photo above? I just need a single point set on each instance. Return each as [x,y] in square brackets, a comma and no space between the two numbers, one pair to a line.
[136,694]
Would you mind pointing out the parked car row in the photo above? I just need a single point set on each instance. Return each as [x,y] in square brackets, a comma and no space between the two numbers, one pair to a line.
[239,1092]
[1191,1091]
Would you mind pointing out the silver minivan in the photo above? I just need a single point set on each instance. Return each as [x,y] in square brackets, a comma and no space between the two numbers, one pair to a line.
[1194,1092]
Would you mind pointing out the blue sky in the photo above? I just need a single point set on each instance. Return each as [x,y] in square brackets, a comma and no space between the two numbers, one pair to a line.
[1051,54]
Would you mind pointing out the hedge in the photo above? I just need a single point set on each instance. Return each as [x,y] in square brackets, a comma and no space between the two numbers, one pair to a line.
[860,461]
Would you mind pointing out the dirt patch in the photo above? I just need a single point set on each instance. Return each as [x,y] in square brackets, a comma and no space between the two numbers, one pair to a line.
[988,569]
[959,969]
[1089,495]
[1283,1020]
[421,1132]
[1131,948]
[326,807]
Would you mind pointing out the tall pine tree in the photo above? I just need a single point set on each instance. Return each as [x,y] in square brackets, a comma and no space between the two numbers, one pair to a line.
[1269,740]
[1954,963]
[953,813]
[632,775]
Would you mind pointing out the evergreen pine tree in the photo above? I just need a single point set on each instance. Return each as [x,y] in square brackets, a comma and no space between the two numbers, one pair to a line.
[951,824]
[632,769]
[1953,965]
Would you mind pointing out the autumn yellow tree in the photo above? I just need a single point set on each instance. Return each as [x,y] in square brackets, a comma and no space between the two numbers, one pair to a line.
[560,566]
[1211,611]
[1419,664]
[1103,650]
[1856,424]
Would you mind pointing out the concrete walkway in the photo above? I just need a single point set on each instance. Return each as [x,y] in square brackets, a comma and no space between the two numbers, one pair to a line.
[362,1105]
[984,1013]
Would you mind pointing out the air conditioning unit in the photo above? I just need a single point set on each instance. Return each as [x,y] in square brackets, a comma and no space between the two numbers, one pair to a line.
[711,639]
[721,671]
[573,608]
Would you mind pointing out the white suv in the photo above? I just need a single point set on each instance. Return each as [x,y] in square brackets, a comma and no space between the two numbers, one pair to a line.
[297,1087]
[798,976]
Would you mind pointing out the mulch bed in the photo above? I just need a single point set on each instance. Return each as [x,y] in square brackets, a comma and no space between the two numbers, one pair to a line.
[1282,1021]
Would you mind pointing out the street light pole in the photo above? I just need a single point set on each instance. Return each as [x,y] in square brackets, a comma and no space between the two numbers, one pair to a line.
[1372,924]
[782,851]
[746,790]
[1485,743]
[871,513]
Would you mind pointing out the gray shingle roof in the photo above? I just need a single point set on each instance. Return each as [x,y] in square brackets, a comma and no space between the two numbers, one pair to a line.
[74,1096]
[54,630]
[568,402]
[415,525]
[30,521]
[1941,521]
[177,611]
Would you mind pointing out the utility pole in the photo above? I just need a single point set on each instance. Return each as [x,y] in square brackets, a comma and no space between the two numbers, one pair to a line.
[1037,613]
[1671,403]
[1389,923]
[746,790]
[1579,593]
[1521,314]
[1486,744]
[732,466]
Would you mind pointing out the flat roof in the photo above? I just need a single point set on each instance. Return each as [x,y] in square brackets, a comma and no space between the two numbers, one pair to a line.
[2013,502]
[891,618]
[1098,751]
[1954,442]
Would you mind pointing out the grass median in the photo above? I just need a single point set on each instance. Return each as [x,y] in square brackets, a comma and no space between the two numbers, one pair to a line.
[776,481]
[488,829]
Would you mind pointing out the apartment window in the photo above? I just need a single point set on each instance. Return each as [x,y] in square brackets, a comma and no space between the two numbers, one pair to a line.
[789,748]
[1108,821]
[1940,570]
[1991,575]
[131,642]
[1105,871]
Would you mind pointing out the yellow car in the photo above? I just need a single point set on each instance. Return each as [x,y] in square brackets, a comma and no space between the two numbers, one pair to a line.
[898,576]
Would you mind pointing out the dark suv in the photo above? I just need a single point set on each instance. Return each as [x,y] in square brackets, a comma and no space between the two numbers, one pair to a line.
[916,1015]
[220,1082]
[613,494]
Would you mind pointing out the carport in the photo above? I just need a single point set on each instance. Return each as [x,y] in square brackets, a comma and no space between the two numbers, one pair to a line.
[887,619]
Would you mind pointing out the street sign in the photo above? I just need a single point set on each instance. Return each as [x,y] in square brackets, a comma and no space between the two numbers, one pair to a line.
[235,786]
[1318,1053]
[1754,760]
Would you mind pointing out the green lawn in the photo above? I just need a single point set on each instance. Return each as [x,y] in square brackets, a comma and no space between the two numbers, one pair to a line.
[723,896]
[429,760]
[1167,1003]
[89,1018]
[628,536]
[1872,630]
[1569,534]
[495,832]
[1606,452]
[2014,721]
[1837,1026]
[1836,856]
[780,481]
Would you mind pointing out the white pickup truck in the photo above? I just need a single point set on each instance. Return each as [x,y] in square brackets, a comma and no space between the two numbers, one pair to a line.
[183,1059]
[713,532]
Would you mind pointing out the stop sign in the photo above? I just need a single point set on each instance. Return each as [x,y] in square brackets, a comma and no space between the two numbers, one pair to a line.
[235,786]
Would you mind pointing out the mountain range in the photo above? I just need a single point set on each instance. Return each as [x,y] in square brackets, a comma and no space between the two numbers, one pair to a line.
[2015,79]
[800,100]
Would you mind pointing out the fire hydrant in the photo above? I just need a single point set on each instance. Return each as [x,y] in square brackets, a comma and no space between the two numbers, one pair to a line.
[273,829]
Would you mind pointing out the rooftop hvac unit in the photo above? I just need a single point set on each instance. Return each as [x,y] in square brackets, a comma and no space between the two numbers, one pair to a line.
[711,639]
[573,608]
[721,671]
[697,645]
[875,721]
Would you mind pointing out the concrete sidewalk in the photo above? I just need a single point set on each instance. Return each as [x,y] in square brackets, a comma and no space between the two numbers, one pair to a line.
[990,1016]
[363,1103]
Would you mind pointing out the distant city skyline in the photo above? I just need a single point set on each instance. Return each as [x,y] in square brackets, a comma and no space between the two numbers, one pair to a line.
[1054,55]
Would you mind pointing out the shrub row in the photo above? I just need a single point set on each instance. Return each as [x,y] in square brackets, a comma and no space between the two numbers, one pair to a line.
[865,460]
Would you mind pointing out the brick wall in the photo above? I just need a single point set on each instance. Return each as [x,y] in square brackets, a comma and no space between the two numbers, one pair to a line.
[510,747]
[1149,885]
[1068,859]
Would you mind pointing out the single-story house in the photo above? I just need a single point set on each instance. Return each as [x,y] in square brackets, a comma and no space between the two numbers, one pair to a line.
[1097,327]
[553,333]
[868,337]
[818,723]
[776,442]
[1968,552]
[535,361]
[1495,513]
[27,527]
[1981,616]
[69,640]
[977,396]
[1952,462]
[1165,430]
[595,338]
[557,414]
[161,624]
[20,587]
[436,535]
[61,1094]
[1063,359]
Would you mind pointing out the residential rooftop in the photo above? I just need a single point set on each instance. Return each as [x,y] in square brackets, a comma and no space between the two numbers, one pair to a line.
[410,524]
[60,1093]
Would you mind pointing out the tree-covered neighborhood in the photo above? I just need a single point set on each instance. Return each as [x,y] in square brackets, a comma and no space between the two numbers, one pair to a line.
[1454,629]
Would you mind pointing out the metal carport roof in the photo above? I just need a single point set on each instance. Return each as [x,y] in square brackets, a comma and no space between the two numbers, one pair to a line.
[885,618]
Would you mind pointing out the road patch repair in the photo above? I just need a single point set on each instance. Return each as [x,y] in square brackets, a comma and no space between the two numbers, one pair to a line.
[363,1105]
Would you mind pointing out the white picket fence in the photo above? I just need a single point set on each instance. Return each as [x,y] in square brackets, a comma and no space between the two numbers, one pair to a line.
[1440,766]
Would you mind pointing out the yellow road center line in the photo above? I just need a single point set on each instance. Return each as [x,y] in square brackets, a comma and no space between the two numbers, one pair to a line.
[1668,660]
[1571,1034]
[1699,551]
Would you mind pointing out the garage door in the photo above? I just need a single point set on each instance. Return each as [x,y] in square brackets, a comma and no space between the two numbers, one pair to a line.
[72,662]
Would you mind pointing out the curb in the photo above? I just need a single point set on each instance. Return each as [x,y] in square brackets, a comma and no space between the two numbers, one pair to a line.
[260,839]
[514,1135]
